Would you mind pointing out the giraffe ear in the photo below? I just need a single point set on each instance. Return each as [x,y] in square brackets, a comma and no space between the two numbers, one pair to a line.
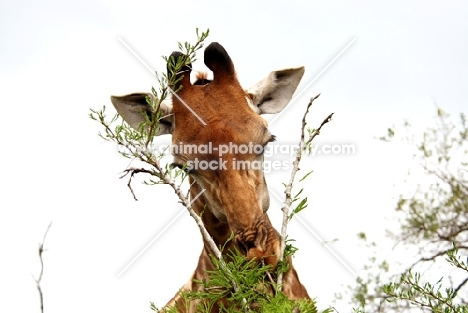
[273,93]
[133,108]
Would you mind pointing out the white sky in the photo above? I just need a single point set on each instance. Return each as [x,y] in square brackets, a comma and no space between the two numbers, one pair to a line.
[58,59]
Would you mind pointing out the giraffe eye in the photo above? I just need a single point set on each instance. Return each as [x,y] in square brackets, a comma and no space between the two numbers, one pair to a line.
[180,166]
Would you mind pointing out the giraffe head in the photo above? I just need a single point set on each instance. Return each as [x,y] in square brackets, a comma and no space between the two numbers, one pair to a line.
[219,135]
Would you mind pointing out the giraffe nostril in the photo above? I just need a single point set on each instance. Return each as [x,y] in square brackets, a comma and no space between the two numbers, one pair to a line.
[242,248]
[249,247]
[240,244]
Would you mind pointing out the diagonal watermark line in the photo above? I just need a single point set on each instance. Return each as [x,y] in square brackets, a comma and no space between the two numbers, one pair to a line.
[187,106]
[136,56]
[313,80]
[152,72]
[150,243]
[326,246]
[158,235]
[319,239]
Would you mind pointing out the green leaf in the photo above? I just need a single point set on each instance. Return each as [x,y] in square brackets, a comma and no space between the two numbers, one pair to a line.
[301,206]
[306,175]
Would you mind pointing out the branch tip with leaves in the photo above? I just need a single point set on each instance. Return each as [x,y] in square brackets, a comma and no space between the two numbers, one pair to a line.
[304,145]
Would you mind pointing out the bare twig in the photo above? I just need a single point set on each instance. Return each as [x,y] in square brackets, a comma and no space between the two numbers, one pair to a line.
[302,144]
[270,279]
[272,282]
[39,279]
[132,171]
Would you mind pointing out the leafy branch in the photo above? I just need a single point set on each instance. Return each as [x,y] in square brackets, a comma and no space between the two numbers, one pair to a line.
[427,295]
[254,287]
[304,145]
[433,221]
[168,81]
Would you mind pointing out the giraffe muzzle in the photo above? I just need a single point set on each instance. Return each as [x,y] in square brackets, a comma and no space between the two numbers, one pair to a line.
[259,244]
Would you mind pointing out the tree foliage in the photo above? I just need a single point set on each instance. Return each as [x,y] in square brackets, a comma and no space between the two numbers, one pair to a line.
[433,223]
[255,284]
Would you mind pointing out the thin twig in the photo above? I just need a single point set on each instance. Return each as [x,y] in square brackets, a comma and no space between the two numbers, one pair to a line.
[132,171]
[272,282]
[39,279]
[288,201]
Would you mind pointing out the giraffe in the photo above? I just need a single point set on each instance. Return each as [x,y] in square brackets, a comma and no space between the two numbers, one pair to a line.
[236,198]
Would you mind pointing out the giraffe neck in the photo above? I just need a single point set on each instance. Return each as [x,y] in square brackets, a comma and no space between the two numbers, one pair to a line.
[220,230]
[220,233]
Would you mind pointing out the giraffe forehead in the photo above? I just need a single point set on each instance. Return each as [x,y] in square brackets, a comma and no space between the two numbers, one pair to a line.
[225,139]
[220,123]
[212,101]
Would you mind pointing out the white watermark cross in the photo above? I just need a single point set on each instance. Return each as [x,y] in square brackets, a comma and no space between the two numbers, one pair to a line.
[323,242]
[158,235]
[314,79]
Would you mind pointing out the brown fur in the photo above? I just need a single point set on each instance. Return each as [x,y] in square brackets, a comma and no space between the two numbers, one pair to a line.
[201,78]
